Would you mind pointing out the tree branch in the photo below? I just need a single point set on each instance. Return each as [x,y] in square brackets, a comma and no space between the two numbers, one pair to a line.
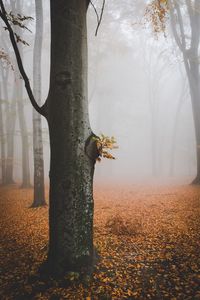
[3,16]
[95,10]
[100,18]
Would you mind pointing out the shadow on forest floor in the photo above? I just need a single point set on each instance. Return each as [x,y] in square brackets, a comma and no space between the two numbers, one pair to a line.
[148,240]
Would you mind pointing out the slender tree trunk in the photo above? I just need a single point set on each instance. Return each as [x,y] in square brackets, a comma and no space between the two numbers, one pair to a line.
[154,147]
[195,97]
[9,125]
[26,183]
[24,138]
[73,151]
[174,138]
[2,137]
[192,70]
[154,138]
[10,139]
[39,191]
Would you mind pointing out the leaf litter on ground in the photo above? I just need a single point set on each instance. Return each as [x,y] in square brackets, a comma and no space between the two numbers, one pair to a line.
[147,239]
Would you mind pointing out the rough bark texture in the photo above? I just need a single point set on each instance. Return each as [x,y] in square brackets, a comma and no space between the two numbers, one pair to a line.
[39,194]
[73,151]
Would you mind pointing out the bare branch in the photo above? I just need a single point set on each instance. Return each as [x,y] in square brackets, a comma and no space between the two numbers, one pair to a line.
[3,16]
[100,18]
[95,10]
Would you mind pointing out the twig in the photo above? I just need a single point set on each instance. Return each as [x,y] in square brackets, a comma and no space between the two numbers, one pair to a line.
[95,10]
[100,19]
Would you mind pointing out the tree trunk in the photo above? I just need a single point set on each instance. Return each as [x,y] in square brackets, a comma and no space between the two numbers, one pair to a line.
[10,139]
[154,145]
[195,97]
[192,69]
[24,138]
[174,138]
[73,151]
[26,183]
[9,124]
[39,191]
[2,137]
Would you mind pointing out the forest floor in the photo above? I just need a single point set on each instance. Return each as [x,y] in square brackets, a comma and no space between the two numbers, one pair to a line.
[148,240]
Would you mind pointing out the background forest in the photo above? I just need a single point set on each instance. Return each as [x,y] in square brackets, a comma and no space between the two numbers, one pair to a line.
[116,79]
[138,92]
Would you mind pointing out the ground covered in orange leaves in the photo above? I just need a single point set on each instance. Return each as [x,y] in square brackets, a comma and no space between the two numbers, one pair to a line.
[148,240]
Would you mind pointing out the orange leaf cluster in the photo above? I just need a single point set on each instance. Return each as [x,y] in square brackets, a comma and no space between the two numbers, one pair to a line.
[104,143]
[4,57]
[156,14]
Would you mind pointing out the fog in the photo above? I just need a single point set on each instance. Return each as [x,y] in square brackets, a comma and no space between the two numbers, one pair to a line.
[137,91]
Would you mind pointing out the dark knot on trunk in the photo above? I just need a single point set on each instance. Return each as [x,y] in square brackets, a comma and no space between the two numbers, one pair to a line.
[91,149]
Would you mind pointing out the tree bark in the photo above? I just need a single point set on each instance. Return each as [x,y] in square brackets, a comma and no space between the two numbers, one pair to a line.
[73,150]
[39,190]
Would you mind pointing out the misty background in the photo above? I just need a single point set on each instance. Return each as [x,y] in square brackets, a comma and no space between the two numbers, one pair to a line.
[137,91]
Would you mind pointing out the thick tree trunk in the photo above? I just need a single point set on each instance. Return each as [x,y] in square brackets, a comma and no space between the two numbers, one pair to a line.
[39,191]
[73,150]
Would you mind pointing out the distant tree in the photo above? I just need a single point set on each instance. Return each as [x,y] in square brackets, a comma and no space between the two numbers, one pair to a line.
[185,24]
[189,47]
[181,102]
[39,191]
[8,107]
[26,178]
[156,69]
[2,140]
